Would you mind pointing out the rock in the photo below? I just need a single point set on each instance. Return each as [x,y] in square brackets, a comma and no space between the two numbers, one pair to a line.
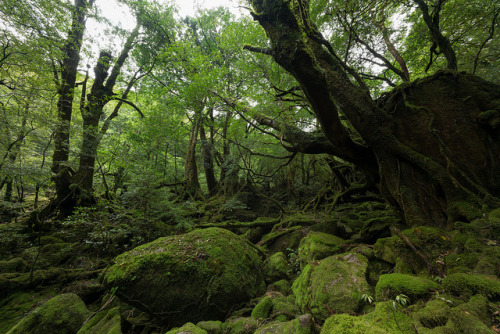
[281,286]
[276,267]
[212,327]
[188,328]
[14,307]
[63,314]
[435,313]
[466,285]
[104,322]
[391,285]
[263,308]
[240,325]
[16,264]
[201,275]
[432,241]
[333,285]
[317,246]
[383,320]
[301,325]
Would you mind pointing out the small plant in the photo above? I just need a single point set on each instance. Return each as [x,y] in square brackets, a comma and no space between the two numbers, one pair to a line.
[367,299]
[402,300]
[293,259]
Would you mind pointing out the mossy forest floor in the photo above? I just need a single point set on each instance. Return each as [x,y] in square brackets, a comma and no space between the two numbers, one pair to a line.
[356,269]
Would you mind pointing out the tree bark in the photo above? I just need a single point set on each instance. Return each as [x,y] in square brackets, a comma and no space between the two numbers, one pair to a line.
[208,160]
[424,139]
[66,84]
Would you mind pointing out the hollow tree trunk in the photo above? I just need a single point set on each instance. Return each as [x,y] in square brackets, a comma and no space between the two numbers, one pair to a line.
[434,143]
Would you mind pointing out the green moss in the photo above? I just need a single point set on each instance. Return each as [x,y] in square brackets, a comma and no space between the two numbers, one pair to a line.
[104,322]
[335,284]
[197,276]
[276,267]
[281,286]
[212,327]
[263,308]
[284,309]
[301,325]
[472,317]
[466,285]
[383,320]
[13,265]
[65,312]
[188,328]
[317,246]
[435,314]
[391,285]
[241,325]
[432,242]
[14,307]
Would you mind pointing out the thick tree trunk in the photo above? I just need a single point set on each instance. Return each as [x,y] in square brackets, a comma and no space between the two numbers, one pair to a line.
[66,85]
[425,140]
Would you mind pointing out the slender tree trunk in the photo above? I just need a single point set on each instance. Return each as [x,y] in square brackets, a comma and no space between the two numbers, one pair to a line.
[190,167]
[208,161]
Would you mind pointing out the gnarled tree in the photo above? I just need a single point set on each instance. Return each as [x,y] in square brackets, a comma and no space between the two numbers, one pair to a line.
[431,145]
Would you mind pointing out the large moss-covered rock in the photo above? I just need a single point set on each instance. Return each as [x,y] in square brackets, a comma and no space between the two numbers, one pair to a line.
[391,285]
[13,265]
[104,322]
[383,320]
[201,275]
[332,285]
[432,242]
[188,328]
[467,285]
[63,314]
[301,325]
[317,246]
[277,267]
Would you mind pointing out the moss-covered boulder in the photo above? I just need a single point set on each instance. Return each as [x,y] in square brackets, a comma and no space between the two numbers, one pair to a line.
[317,246]
[332,285]
[63,314]
[391,285]
[263,308]
[281,286]
[16,264]
[383,320]
[276,267]
[240,325]
[432,242]
[104,322]
[188,328]
[212,327]
[434,314]
[201,275]
[301,325]
[466,285]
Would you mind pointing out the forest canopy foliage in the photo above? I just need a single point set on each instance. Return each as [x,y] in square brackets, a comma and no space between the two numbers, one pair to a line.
[295,103]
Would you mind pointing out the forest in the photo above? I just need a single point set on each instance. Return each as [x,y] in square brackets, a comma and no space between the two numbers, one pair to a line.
[281,166]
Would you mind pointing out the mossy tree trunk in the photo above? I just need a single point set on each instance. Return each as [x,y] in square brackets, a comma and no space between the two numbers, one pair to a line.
[433,144]
[66,81]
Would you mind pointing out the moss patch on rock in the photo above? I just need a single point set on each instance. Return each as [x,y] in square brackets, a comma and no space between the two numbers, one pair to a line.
[466,285]
[188,328]
[104,322]
[391,285]
[332,285]
[383,320]
[300,325]
[64,313]
[276,267]
[197,276]
[317,246]
[432,242]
